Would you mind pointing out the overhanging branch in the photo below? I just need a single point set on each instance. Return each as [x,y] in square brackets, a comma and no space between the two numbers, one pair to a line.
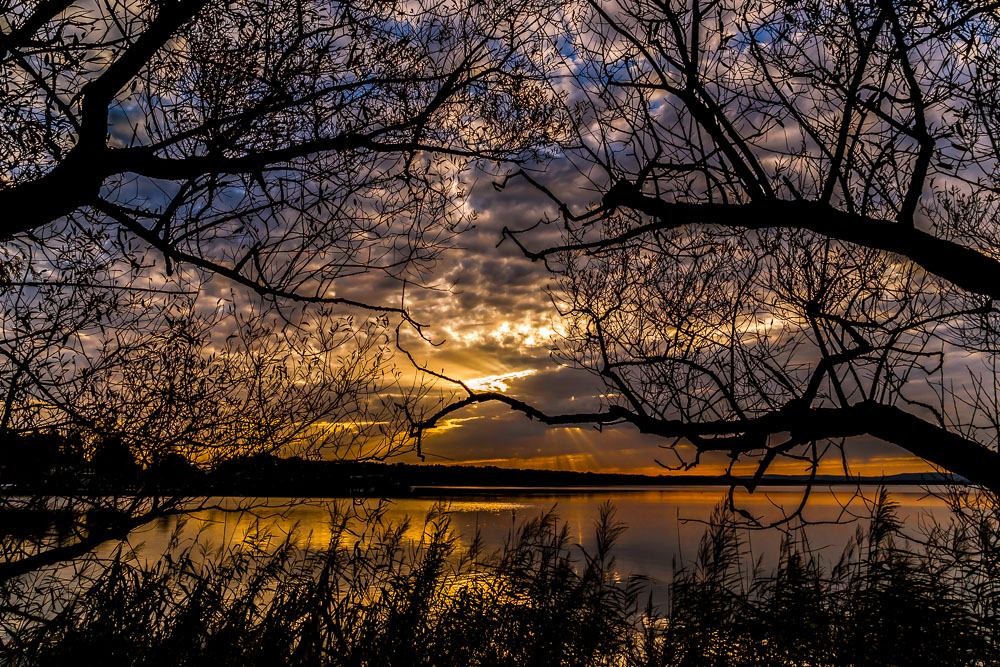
[935,444]
[964,267]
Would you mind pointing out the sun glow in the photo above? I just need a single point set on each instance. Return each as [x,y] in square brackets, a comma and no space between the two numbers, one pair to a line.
[498,382]
[524,335]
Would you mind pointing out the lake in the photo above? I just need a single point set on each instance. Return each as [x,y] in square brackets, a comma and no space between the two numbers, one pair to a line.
[664,524]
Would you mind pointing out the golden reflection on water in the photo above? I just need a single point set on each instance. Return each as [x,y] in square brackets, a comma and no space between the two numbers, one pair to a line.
[486,506]
[664,525]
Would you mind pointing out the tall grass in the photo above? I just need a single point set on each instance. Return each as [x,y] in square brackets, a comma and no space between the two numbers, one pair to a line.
[383,598]
[888,600]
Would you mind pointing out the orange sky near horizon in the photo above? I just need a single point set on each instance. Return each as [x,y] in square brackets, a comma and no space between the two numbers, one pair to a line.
[494,327]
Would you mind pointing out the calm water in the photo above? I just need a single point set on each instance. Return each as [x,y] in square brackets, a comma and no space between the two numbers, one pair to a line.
[664,524]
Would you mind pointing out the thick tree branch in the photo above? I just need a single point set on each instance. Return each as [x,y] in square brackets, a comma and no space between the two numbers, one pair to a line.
[95,537]
[933,443]
[964,267]
[78,178]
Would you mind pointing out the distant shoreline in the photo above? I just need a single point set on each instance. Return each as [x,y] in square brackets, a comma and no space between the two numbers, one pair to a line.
[458,491]
[424,491]
[271,476]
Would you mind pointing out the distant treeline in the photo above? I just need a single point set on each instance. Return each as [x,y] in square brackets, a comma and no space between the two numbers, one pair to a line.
[55,463]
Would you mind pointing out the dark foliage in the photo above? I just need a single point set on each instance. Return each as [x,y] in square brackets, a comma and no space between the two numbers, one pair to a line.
[392,596]
[883,603]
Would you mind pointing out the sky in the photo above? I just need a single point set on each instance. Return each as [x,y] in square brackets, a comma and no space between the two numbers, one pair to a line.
[490,317]
[497,329]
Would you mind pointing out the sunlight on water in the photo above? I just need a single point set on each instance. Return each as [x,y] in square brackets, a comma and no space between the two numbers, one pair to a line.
[664,525]
[486,506]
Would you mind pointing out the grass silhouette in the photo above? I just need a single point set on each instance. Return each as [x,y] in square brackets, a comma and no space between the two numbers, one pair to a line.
[380,597]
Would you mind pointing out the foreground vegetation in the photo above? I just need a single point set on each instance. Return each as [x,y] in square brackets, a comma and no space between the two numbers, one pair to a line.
[399,595]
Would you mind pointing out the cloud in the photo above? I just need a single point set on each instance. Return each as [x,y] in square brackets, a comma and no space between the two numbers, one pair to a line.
[497,326]
[499,383]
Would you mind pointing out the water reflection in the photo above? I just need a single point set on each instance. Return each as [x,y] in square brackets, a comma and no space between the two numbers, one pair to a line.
[664,524]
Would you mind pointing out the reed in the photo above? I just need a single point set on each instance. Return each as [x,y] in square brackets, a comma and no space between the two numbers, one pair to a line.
[379,596]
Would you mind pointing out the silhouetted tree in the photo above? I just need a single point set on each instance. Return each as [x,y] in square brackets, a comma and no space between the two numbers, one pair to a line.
[210,209]
[794,242]
[114,463]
